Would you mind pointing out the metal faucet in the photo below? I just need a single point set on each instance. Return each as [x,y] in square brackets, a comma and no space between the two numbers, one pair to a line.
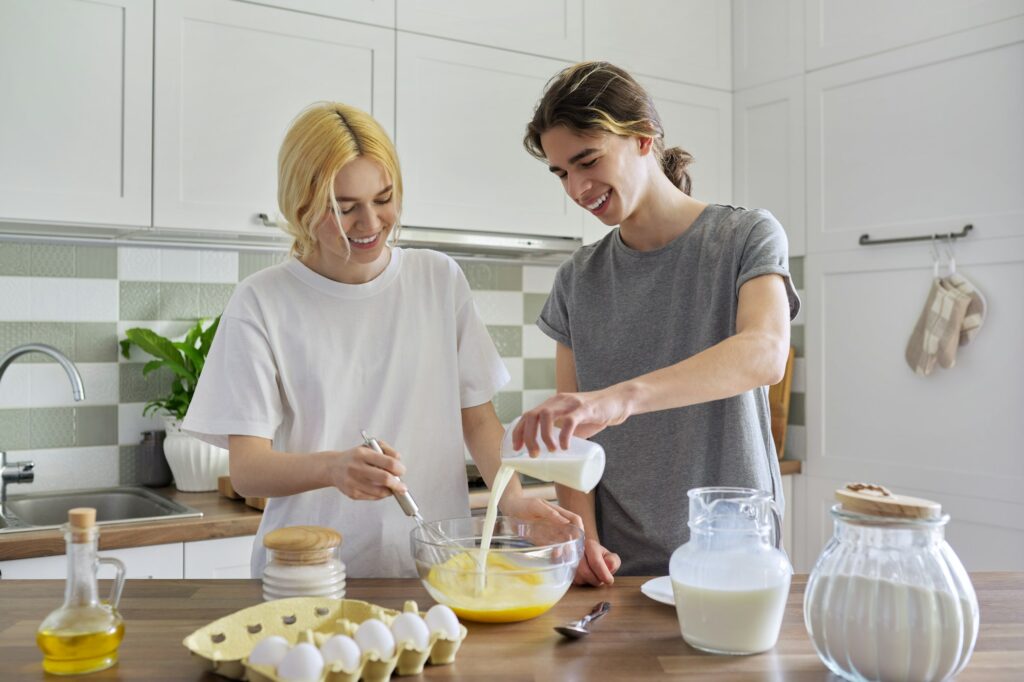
[23,472]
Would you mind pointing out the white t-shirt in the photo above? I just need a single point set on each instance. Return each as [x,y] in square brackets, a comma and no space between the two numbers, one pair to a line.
[308,362]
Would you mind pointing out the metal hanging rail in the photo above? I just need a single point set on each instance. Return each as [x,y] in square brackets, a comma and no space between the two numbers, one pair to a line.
[866,240]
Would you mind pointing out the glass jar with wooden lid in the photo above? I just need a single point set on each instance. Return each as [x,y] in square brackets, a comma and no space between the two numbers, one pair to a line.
[303,561]
[888,598]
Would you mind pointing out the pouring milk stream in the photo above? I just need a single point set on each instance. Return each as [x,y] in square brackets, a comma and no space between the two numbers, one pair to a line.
[580,467]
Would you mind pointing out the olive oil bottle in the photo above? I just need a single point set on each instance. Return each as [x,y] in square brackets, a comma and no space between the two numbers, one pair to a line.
[83,635]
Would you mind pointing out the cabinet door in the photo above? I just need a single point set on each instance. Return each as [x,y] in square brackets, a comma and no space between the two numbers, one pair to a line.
[543,27]
[767,41]
[688,41]
[230,77]
[221,558]
[377,12]
[154,561]
[768,137]
[462,114]
[848,30]
[787,520]
[75,124]
[918,141]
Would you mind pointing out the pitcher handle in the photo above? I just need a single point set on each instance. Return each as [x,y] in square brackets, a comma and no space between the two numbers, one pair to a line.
[777,524]
[115,589]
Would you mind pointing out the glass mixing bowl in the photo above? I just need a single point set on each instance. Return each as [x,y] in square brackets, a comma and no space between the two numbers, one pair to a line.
[530,566]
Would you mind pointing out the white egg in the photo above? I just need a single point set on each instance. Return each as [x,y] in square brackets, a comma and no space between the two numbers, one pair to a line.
[442,619]
[373,636]
[269,650]
[302,664]
[341,649]
[410,628]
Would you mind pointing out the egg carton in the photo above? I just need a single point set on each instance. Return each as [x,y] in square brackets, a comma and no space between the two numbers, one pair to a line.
[223,646]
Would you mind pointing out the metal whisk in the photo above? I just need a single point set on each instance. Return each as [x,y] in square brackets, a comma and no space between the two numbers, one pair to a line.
[433,534]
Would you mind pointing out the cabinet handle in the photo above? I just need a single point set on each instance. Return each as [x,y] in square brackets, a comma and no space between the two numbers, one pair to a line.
[265,219]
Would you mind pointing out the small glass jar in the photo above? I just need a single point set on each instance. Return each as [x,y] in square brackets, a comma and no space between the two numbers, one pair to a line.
[303,561]
[888,599]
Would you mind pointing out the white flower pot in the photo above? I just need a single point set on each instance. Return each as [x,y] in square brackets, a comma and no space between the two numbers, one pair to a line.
[195,464]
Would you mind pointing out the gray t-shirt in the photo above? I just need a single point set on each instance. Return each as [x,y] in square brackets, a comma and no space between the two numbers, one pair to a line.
[625,313]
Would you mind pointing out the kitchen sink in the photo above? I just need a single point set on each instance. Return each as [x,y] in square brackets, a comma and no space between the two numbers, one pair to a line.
[37,511]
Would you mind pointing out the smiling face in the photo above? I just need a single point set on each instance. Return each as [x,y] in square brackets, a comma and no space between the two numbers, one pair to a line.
[602,172]
[369,211]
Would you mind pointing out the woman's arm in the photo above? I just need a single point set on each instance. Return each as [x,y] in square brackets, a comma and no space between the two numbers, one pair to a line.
[257,470]
[754,356]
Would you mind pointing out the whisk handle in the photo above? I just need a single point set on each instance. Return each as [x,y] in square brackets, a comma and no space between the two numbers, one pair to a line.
[405,500]
[407,504]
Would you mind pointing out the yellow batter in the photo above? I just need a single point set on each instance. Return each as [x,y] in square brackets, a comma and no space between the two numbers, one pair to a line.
[510,594]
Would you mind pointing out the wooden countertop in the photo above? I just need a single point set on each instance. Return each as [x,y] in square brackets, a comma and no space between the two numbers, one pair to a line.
[638,640]
[222,518]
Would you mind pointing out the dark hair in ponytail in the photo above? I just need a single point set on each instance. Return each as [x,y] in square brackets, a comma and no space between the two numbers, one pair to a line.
[601,96]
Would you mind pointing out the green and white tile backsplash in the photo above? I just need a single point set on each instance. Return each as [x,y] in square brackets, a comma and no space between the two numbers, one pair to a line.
[82,299]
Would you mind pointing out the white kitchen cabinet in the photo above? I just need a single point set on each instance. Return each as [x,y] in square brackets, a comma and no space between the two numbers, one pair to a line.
[75,125]
[542,27]
[220,558]
[230,77]
[377,12]
[768,138]
[909,143]
[767,41]
[953,436]
[462,113]
[154,561]
[688,41]
[848,30]
[700,121]
[787,519]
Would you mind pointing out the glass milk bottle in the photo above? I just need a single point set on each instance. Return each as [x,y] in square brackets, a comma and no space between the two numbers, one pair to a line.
[580,467]
[888,599]
[83,635]
[731,579]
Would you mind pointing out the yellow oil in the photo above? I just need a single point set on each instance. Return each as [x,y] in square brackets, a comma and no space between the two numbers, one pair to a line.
[70,652]
[510,595]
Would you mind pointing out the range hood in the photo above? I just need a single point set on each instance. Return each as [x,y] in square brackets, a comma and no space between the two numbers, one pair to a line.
[462,244]
[490,245]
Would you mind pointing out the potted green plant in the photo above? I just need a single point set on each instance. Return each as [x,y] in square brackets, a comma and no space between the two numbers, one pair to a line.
[194,463]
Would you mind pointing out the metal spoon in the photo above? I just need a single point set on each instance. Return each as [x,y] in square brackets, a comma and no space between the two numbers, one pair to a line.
[578,628]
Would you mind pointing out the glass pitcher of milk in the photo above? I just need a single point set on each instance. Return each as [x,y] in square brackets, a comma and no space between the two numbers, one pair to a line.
[731,579]
[888,599]
[580,467]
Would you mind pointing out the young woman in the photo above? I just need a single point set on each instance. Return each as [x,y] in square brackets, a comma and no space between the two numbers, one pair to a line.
[351,333]
[668,329]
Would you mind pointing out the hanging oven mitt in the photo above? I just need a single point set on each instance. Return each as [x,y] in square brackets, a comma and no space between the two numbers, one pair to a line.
[937,332]
[975,315]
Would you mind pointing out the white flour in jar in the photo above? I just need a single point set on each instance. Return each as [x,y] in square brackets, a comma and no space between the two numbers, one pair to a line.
[885,630]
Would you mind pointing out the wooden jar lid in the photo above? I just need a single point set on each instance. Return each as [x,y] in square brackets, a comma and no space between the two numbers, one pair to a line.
[302,544]
[877,500]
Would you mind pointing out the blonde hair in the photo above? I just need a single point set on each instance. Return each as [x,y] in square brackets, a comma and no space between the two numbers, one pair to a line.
[601,96]
[321,140]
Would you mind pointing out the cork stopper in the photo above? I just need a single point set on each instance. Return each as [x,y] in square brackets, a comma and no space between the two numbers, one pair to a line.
[877,500]
[302,544]
[82,521]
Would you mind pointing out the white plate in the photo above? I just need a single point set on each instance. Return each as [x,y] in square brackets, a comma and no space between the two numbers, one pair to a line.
[659,589]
